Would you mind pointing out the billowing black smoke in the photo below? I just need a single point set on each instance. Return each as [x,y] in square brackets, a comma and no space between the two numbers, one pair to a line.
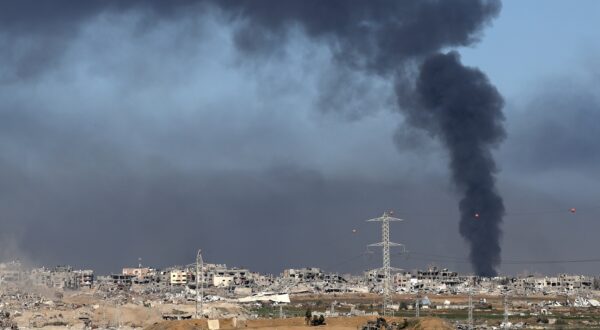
[454,103]
[458,105]
[387,38]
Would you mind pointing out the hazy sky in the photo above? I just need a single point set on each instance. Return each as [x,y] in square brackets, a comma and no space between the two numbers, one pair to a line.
[146,132]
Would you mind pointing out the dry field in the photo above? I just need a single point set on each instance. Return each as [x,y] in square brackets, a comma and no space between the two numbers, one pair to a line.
[337,323]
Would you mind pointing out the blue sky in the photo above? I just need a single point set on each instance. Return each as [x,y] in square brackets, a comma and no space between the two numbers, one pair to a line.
[535,40]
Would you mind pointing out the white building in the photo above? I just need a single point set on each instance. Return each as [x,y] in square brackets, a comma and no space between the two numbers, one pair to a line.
[178,277]
[223,281]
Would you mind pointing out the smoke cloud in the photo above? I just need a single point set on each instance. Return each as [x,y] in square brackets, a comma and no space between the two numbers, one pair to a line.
[381,40]
[458,105]
[453,102]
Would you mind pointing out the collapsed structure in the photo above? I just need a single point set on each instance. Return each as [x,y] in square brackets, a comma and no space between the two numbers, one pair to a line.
[233,281]
[239,292]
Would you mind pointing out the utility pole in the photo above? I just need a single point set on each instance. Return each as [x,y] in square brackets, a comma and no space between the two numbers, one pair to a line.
[470,320]
[118,313]
[199,283]
[385,244]
[505,310]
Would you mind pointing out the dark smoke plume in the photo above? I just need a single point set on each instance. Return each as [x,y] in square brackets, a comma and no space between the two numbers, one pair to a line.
[458,105]
[453,102]
[376,37]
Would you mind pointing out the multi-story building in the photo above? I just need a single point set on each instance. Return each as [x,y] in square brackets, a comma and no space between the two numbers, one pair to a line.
[575,282]
[443,276]
[121,280]
[85,278]
[179,277]
[11,272]
[239,276]
[374,276]
[62,277]
[223,281]
[139,272]
[41,277]
[303,274]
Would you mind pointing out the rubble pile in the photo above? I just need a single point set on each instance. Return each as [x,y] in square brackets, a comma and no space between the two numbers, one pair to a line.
[64,296]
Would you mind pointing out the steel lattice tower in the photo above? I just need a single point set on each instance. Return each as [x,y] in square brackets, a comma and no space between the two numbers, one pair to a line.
[385,244]
[417,307]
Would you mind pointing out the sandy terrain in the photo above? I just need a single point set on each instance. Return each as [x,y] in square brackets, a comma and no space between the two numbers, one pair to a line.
[337,323]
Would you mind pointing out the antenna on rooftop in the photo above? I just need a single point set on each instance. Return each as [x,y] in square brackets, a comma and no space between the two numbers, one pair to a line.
[385,244]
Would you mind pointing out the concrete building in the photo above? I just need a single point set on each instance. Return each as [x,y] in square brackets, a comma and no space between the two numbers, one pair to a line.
[62,277]
[121,280]
[240,276]
[442,276]
[179,277]
[163,276]
[10,272]
[41,277]
[222,281]
[303,274]
[139,272]
[85,278]
[374,276]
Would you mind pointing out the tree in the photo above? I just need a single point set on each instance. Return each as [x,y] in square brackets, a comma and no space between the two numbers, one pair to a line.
[321,319]
[315,320]
[307,316]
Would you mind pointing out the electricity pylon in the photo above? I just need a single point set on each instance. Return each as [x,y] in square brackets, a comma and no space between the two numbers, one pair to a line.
[385,244]
[417,307]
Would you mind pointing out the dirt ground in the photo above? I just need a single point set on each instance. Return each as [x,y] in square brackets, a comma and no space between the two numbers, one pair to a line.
[337,323]
[372,297]
[433,324]
[106,313]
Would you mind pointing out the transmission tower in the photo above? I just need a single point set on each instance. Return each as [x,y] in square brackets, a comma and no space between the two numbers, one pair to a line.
[417,303]
[385,244]
[199,283]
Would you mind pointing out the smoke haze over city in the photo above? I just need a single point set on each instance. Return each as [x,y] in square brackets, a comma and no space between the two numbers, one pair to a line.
[266,134]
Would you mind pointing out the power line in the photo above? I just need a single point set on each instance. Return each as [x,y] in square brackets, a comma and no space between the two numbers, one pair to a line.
[346,261]
[428,257]
[517,213]
[517,262]
[437,257]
